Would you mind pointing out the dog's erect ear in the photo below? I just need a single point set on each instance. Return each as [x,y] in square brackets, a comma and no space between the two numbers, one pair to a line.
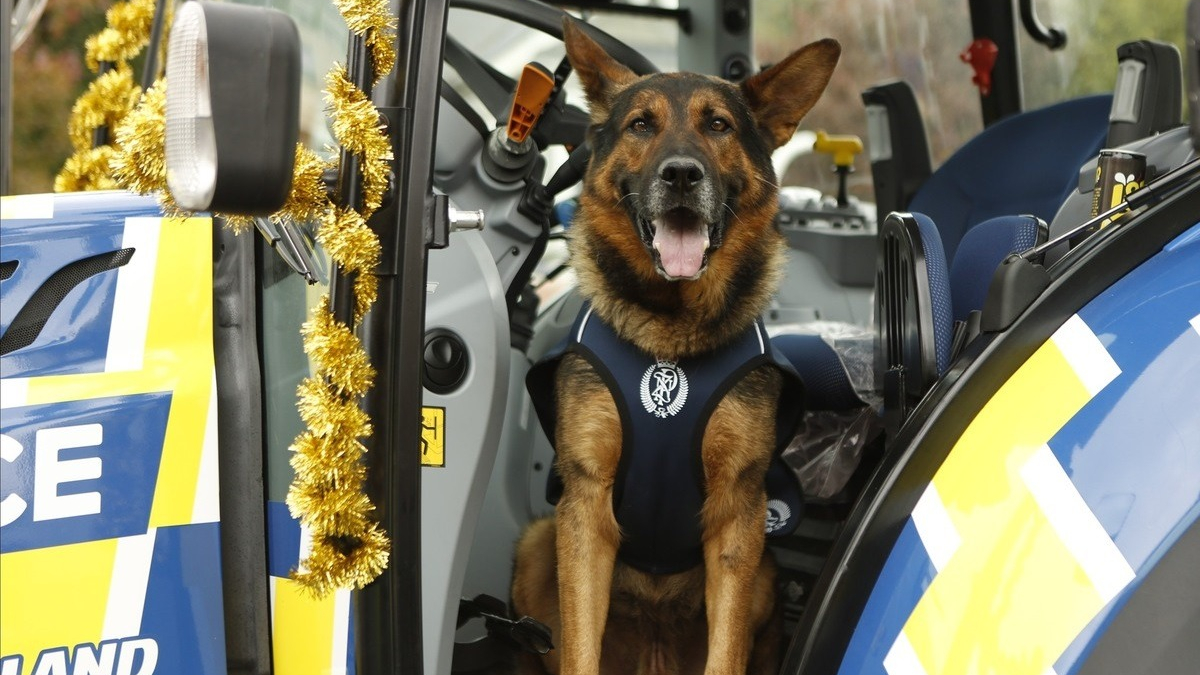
[601,75]
[782,95]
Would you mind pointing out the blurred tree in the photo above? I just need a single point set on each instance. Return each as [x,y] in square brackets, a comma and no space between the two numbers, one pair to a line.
[48,75]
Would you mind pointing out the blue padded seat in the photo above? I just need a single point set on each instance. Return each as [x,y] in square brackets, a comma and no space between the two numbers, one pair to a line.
[953,296]
[981,251]
[1027,163]
[826,385]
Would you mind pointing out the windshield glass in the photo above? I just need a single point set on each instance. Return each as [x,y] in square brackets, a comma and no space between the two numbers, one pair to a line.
[917,41]
[1087,64]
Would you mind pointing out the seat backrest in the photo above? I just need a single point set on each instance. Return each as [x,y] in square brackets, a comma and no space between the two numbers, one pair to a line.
[981,251]
[912,305]
[918,299]
[1027,163]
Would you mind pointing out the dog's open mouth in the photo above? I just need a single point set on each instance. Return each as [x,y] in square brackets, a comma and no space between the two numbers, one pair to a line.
[680,240]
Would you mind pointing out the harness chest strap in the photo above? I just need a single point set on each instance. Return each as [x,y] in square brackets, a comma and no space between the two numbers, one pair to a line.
[664,408]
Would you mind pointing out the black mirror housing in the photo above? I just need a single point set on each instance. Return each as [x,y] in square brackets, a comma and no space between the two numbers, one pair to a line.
[241,66]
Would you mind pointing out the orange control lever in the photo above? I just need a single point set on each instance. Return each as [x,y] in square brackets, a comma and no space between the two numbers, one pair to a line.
[533,92]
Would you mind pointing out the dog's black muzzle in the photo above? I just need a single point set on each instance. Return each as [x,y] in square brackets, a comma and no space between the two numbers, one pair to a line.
[679,216]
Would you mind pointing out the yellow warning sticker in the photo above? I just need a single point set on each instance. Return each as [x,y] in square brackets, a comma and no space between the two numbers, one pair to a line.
[433,436]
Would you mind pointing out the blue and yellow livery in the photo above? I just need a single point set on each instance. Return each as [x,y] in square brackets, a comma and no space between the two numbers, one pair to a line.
[1044,498]
[109,552]
[1034,511]
[111,547]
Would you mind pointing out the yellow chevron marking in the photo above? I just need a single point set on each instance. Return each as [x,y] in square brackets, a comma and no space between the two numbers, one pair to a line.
[179,338]
[1012,596]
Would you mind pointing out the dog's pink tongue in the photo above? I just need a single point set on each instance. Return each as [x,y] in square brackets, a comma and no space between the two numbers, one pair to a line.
[680,242]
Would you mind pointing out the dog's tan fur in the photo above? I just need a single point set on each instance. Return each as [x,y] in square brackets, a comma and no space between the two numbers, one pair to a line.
[716,618]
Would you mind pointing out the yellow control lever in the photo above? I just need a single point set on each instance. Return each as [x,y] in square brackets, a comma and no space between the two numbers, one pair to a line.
[843,148]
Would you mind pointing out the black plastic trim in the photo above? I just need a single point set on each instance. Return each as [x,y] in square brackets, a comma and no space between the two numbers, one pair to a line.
[240,463]
[1052,38]
[1159,93]
[388,613]
[898,178]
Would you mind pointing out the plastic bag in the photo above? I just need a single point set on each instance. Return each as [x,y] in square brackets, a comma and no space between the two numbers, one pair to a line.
[827,449]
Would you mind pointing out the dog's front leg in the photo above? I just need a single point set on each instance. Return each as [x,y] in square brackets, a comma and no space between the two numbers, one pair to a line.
[737,448]
[733,549]
[589,448]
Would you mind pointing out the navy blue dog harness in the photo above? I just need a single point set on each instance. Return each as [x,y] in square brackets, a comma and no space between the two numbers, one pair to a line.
[665,407]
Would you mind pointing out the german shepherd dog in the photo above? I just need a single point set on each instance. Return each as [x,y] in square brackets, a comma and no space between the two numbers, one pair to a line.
[675,248]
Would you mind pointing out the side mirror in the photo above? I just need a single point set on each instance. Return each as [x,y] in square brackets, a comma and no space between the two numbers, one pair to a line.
[233,93]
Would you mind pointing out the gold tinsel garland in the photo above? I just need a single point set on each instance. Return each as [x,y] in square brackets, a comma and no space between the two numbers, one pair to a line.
[141,136]
[348,547]
[108,99]
[127,33]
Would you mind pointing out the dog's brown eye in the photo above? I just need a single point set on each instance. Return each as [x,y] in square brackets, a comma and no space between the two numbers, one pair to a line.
[718,125]
[639,125]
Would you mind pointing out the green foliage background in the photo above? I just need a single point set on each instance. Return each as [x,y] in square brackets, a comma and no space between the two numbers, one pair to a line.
[48,75]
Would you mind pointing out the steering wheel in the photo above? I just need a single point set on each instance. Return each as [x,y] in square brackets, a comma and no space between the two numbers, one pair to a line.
[495,88]
[548,20]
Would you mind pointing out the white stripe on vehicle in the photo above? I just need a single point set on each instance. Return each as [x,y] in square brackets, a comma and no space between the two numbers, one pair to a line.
[1075,524]
[131,302]
[127,590]
[206,508]
[27,207]
[902,659]
[14,392]
[341,631]
[1085,354]
[937,531]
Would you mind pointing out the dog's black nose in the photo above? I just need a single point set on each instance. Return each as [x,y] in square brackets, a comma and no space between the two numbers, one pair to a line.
[681,173]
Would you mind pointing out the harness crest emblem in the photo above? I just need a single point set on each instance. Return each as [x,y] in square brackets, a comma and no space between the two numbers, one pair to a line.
[778,515]
[664,389]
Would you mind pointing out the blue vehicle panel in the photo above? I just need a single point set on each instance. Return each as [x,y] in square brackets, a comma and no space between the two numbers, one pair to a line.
[1066,526]
[110,556]
[52,252]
